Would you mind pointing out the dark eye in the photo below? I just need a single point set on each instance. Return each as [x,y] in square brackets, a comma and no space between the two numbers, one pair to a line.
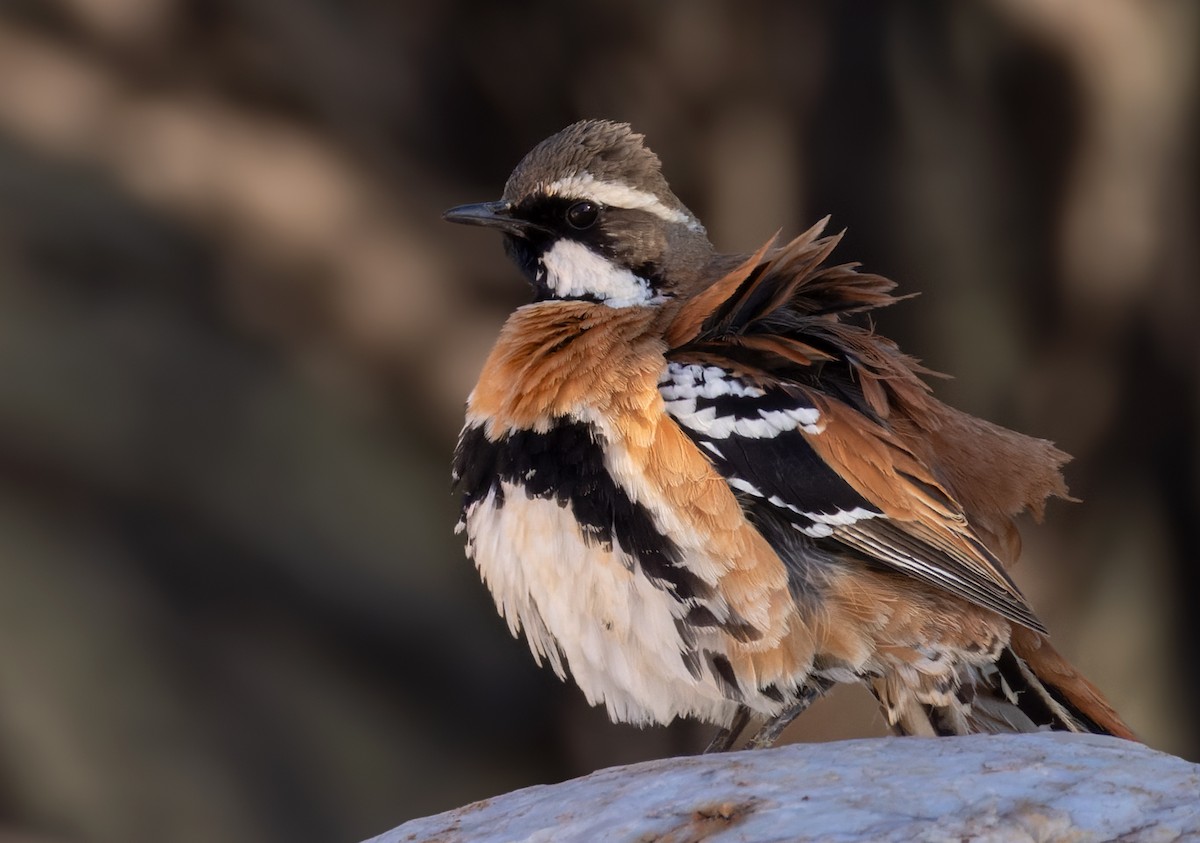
[583,214]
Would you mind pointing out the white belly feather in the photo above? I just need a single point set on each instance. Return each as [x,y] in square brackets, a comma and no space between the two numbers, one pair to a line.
[613,627]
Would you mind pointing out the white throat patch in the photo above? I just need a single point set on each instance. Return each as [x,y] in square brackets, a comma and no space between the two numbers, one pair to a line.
[572,270]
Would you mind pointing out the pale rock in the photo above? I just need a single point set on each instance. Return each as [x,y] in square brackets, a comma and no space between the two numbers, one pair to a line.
[1041,787]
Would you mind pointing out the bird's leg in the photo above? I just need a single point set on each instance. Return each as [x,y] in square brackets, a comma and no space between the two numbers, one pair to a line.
[723,740]
[770,731]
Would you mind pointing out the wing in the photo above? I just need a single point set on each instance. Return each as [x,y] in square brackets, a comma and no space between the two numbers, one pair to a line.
[800,410]
[838,478]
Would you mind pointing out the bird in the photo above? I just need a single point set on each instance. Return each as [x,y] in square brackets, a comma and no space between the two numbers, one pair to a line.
[704,486]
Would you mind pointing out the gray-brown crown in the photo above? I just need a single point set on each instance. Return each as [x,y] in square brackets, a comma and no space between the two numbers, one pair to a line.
[607,151]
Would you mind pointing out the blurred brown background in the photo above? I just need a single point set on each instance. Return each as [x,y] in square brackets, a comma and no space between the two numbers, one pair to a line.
[235,340]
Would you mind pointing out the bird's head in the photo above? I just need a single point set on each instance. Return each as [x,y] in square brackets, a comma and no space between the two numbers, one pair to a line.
[587,215]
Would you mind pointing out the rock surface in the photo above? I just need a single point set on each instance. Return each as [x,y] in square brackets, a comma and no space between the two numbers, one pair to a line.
[1043,787]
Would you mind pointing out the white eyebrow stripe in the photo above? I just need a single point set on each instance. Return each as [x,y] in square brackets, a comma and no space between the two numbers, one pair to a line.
[619,195]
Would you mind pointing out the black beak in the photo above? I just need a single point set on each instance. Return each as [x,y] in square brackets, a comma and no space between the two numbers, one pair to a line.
[497,215]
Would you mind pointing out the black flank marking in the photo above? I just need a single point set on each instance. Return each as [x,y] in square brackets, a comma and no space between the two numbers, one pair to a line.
[738,628]
[742,630]
[686,635]
[772,692]
[687,652]
[722,671]
[701,616]
[566,465]
[823,662]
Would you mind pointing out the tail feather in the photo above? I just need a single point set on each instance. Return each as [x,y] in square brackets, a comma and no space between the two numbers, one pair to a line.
[1029,688]
[1067,686]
